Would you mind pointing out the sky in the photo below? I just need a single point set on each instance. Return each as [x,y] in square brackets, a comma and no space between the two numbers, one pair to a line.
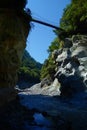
[40,36]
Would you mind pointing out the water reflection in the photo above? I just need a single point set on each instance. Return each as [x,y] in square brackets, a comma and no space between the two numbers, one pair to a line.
[42,123]
[41,120]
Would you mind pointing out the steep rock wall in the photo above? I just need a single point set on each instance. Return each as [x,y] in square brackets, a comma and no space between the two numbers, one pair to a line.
[14,29]
[72,65]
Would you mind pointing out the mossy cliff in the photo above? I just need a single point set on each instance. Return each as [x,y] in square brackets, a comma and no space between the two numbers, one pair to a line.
[14,29]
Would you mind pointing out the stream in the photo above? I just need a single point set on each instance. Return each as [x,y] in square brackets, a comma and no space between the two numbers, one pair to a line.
[40,123]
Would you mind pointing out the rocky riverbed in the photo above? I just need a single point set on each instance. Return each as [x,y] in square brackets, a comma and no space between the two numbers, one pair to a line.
[65,113]
[44,111]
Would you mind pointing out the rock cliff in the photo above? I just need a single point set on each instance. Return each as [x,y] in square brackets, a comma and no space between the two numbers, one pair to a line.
[71,69]
[14,29]
[71,63]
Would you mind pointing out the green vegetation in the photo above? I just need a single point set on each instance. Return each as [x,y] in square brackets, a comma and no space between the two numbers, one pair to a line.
[73,21]
[48,69]
[30,69]
[55,45]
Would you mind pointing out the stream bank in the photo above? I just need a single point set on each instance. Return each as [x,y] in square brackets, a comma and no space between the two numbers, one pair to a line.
[17,117]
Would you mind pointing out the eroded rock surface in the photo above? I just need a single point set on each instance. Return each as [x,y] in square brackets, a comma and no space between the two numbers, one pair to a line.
[72,66]
[14,29]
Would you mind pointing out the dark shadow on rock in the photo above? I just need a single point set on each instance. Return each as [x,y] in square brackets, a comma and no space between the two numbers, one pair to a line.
[13,115]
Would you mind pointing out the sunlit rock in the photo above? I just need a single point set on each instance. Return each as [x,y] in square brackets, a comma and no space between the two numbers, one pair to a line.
[72,72]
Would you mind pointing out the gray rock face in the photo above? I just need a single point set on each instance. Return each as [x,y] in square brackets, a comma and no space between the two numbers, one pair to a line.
[72,66]
[71,70]
[45,82]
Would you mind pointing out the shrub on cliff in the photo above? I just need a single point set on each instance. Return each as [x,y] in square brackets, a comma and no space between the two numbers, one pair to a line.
[48,69]
[55,45]
[74,19]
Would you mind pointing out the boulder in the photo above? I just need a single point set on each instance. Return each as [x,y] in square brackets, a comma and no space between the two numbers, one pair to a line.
[45,82]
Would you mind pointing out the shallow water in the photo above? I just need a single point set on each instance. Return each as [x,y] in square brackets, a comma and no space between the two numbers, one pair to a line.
[41,120]
[42,123]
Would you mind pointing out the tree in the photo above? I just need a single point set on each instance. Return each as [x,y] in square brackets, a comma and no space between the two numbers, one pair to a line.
[29,69]
[74,19]
[55,45]
[48,69]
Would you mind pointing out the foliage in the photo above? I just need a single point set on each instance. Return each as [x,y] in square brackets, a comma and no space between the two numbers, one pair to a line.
[48,69]
[55,45]
[74,19]
[29,69]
